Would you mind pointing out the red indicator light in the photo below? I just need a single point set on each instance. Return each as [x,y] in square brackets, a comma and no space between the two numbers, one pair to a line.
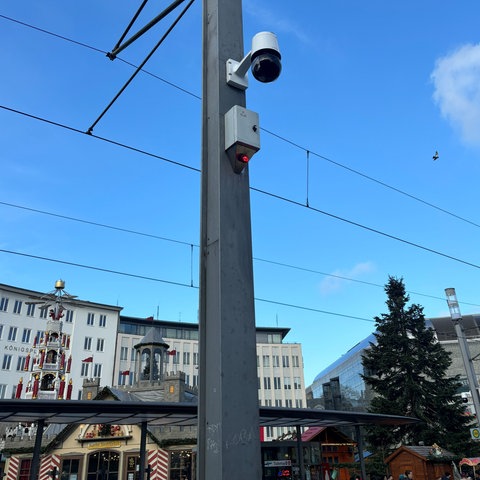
[241,157]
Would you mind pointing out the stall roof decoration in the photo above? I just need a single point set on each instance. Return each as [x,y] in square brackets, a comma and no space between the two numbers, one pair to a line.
[472,462]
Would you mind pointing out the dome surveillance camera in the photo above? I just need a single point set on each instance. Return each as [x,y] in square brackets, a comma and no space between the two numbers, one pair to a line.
[265,57]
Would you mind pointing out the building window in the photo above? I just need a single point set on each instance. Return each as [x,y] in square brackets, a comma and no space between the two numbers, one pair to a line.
[278,402]
[180,464]
[3,304]
[3,390]
[295,361]
[123,353]
[69,316]
[91,319]
[43,312]
[266,383]
[70,468]
[30,309]
[84,371]
[285,361]
[195,358]
[26,335]
[286,383]
[17,308]
[97,370]
[299,403]
[7,362]
[268,403]
[297,383]
[21,363]
[102,322]
[277,383]
[100,344]
[103,465]
[186,358]
[288,403]
[1,331]
[87,344]
[12,334]
[39,336]
[266,360]
[276,360]
[195,380]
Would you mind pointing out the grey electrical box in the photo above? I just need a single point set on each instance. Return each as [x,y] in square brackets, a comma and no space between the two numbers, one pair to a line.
[243,130]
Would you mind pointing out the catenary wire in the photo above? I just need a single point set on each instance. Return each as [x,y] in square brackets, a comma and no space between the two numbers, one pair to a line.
[139,68]
[278,197]
[104,52]
[192,245]
[180,284]
[280,137]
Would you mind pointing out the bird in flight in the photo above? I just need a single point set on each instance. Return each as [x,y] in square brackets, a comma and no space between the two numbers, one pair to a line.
[435,157]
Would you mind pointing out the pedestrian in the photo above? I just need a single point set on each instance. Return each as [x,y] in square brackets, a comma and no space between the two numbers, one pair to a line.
[409,475]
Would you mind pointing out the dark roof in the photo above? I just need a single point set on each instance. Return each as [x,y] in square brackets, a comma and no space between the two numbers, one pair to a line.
[423,451]
[161,413]
[152,337]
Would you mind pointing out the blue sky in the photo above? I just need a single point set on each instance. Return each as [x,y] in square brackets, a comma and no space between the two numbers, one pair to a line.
[369,89]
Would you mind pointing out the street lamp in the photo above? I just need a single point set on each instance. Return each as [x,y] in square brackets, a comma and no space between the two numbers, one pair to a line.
[454,308]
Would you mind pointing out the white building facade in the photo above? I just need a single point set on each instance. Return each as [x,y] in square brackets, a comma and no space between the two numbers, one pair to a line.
[92,328]
[280,370]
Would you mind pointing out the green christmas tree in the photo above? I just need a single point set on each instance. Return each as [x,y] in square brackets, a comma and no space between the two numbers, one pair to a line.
[407,372]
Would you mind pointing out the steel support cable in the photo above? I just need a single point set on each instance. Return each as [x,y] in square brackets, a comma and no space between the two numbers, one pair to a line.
[130,25]
[279,197]
[171,84]
[372,179]
[280,137]
[192,245]
[365,227]
[139,68]
[145,29]
[103,139]
[179,284]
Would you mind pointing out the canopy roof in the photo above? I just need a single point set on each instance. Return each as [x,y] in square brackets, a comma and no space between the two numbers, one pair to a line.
[161,413]
[470,461]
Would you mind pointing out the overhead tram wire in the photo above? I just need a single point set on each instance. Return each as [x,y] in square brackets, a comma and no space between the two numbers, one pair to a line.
[139,68]
[278,197]
[365,227]
[191,245]
[103,52]
[372,179]
[280,137]
[169,282]
[98,137]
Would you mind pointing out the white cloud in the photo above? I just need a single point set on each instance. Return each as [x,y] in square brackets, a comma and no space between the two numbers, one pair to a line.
[338,278]
[456,79]
[274,22]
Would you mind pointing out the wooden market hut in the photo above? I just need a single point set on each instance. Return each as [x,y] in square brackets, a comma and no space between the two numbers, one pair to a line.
[426,462]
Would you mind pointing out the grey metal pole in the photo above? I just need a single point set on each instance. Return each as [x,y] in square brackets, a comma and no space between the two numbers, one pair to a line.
[35,466]
[464,349]
[358,434]
[143,451]
[301,459]
[228,420]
